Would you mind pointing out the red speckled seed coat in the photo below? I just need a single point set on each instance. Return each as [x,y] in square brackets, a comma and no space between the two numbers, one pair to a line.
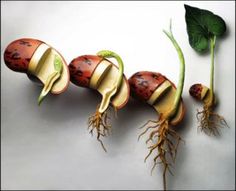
[19,53]
[143,84]
[195,91]
[82,68]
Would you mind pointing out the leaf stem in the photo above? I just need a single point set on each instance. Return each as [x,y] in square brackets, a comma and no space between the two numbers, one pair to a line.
[180,86]
[212,48]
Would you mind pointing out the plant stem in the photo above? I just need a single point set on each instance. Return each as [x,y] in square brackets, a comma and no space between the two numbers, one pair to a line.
[180,86]
[112,91]
[212,44]
[110,54]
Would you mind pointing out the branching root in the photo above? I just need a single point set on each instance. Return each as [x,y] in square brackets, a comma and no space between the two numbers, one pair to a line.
[99,122]
[166,144]
[210,122]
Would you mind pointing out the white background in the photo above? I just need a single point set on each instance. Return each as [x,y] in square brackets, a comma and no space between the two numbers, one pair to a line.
[49,147]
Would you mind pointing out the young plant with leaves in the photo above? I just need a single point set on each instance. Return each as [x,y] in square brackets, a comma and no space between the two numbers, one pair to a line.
[165,98]
[203,28]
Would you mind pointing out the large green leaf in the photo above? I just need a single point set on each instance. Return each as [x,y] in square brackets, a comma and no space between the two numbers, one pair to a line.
[201,26]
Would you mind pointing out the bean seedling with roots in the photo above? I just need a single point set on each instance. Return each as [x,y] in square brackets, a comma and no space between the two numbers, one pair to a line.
[161,93]
[96,72]
[204,26]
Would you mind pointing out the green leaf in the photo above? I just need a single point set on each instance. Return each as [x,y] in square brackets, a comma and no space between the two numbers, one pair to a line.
[58,64]
[201,26]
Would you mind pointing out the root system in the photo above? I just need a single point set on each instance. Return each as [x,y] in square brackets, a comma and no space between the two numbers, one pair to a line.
[210,122]
[166,144]
[100,123]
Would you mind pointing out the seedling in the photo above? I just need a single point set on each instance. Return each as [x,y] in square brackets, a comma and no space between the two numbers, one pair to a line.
[161,93]
[96,72]
[203,28]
